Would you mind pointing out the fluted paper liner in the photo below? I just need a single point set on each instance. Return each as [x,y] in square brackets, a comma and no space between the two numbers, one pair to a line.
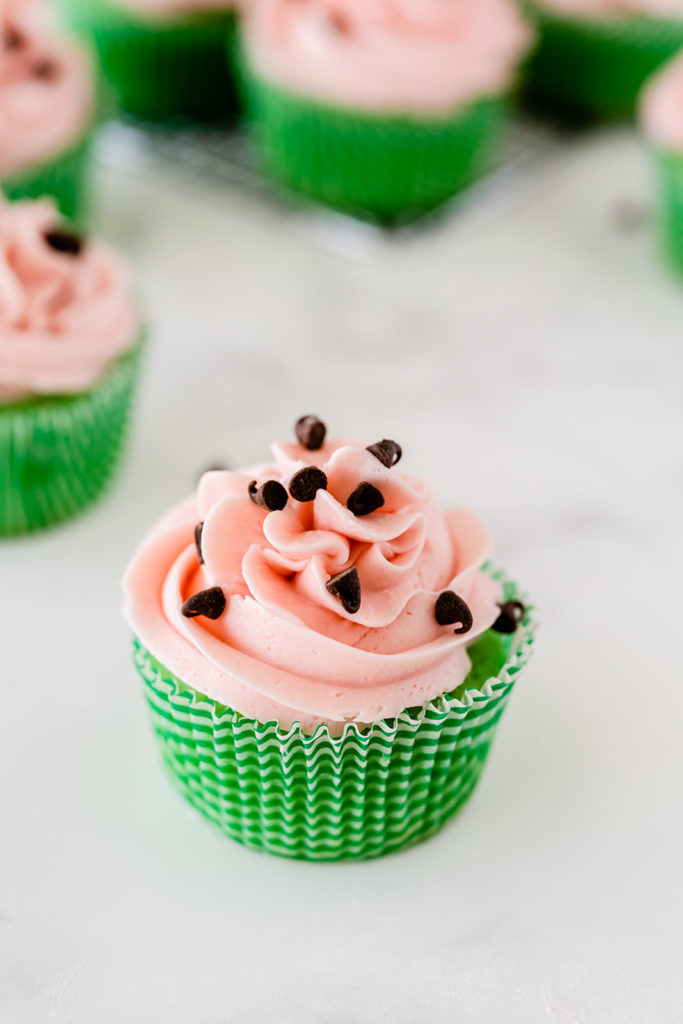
[368,792]
[64,177]
[58,454]
[669,170]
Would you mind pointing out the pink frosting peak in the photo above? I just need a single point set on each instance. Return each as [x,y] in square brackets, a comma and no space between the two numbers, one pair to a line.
[398,55]
[65,306]
[661,109]
[287,647]
[615,8]
[46,88]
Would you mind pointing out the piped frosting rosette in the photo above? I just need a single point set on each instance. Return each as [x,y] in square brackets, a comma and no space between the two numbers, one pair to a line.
[325,586]
[46,89]
[661,109]
[409,55]
[66,311]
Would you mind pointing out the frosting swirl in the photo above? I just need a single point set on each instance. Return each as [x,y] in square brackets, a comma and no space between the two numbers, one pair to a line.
[399,55]
[661,108]
[615,8]
[65,306]
[285,647]
[46,89]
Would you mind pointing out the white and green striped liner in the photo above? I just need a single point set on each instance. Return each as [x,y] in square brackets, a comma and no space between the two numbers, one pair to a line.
[368,792]
[57,454]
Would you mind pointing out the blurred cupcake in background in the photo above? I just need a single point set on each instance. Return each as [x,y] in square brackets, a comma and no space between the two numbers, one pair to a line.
[594,55]
[46,108]
[70,341]
[661,118]
[384,108]
[165,59]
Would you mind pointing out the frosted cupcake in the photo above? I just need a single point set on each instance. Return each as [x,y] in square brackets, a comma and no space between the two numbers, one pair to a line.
[661,118]
[69,353]
[324,655]
[594,55]
[164,58]
[384,108]
[46,108]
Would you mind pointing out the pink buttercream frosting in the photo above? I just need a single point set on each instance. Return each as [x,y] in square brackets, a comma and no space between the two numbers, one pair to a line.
[661,109]
[615,8]
[397,55]
[285,649]
[46,89]
[63,317]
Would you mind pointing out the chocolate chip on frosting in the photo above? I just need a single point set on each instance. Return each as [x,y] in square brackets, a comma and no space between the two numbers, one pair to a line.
[64,241]
[511,614]
[13,39]
[198,541]
[310,433]
[450,608]
[365,499]
[210,603]
[388,452]
[345,586]
[305,484]
[45,69]
[271,495]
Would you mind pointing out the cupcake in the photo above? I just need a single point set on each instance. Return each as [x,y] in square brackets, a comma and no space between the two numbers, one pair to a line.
[324,652]
[46,109]
[594,55]
[383,108]
[165,59]
[70,340]
[661,118]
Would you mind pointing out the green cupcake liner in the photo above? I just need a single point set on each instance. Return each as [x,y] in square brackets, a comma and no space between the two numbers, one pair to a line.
[64,178]
[366,793]
[377,166]
[57,454]
[669,171]
[160,69]
[596,67]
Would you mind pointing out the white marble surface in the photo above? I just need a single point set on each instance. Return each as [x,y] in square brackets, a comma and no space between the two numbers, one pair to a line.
[532,361]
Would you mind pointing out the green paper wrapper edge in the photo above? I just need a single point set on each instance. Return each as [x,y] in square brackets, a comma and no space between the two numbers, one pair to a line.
[64,177]
[668,166]
[368,792]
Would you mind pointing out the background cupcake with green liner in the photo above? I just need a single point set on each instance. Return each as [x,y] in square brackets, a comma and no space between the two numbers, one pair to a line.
[324,655]
[46,108]
[384,108]
[661,119]
[165,59]
[594,55]
[70,339]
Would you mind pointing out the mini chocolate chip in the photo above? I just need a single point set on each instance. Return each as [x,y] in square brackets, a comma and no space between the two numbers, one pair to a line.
[271,495]
[365,499]
[209,603]
[450,608]
[346,587]
[13,39]
[388,452]
[305,484]
[45,69]
[198,541]
[67,242]
[511,614]
[310,432]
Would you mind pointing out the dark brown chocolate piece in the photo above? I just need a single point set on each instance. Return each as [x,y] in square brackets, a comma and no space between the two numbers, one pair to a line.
[12,38]
[310,433]
[511,614]
[345,586]
[388,452]
[64,241]
[365,499]
[271,495]
[450,608]
[198,541]
[305,484]
[210,603]
[45,69]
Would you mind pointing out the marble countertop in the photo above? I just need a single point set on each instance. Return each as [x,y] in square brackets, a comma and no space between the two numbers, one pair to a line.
[531,361]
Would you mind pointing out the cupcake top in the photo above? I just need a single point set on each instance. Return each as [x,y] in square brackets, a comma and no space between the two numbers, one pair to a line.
[614,8]
[661,107]
[395,55]
[46,88]
[65,306]
[323,586]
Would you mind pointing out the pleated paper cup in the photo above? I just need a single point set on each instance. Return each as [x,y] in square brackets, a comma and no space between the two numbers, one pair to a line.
[368,792]
[58,454]
[160,69]
[596,66]
[669,173]
[64,178]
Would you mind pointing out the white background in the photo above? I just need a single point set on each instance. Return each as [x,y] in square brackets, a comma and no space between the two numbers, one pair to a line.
[531,362]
